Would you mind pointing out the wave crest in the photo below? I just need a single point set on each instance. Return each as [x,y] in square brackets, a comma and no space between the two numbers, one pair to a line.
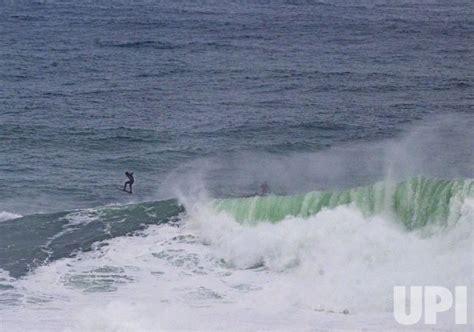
[415,202]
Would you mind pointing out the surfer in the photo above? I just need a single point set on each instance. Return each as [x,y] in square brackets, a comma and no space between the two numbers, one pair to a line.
[264,189]
[129,182]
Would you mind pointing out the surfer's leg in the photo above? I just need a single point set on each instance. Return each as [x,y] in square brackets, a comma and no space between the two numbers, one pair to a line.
[125,186]
[130,188]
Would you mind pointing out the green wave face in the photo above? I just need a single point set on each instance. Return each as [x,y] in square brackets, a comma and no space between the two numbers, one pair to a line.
[416,202]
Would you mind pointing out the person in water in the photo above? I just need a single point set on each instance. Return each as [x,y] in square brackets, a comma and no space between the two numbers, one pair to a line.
[129,182]
[264,189]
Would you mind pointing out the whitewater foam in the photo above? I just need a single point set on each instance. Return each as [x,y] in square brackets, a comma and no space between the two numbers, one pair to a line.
[213,272]
[4,216]
[354,260]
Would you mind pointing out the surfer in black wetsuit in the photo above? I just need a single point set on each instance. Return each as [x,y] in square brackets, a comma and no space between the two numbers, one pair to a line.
[264,189]
[129,182]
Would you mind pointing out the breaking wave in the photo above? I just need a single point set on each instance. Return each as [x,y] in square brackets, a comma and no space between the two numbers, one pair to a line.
[415,202]
[35,240]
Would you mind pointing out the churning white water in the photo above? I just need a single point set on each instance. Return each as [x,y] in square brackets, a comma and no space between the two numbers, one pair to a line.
[335,269]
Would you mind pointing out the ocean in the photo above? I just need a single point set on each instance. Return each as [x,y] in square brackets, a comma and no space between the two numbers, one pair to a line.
[358,115]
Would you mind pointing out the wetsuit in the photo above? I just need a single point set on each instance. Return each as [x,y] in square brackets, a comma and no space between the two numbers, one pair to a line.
[130,181]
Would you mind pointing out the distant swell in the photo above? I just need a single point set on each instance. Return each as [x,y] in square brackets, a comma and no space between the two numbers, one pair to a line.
[139,44]
[415,202]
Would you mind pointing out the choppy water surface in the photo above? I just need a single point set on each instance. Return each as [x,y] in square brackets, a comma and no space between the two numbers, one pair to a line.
[358,114]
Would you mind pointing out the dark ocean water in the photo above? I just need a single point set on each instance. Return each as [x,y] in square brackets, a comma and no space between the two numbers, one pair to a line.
[357,114]
[89,89]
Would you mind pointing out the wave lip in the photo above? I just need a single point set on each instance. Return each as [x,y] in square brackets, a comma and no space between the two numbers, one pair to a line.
[415,202]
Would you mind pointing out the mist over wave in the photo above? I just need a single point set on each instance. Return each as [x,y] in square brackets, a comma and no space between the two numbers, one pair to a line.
[441,147]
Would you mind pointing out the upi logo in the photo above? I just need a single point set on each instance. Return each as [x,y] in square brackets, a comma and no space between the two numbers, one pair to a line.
[436,300]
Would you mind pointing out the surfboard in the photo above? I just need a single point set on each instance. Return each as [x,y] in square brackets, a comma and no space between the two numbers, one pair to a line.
[121,189]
